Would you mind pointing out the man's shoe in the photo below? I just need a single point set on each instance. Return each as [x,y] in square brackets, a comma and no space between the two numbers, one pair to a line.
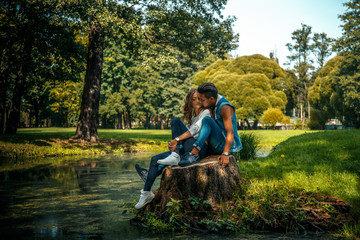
[171,160]
[145,198]
[189,159]
[143,173]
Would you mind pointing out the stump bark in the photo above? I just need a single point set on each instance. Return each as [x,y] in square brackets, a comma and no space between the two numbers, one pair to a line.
[206,180]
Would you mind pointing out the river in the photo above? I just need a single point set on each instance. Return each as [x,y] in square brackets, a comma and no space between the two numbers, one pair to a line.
[80,200]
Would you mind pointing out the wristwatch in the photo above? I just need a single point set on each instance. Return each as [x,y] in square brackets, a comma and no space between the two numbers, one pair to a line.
[225,153]
[177,139]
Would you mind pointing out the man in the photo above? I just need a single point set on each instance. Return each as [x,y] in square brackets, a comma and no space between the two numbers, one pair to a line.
[220,131]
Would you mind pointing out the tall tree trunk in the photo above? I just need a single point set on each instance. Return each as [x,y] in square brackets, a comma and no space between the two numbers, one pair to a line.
[36,112]
[87,124]
[4,75]
[147,122]
[161,123]
[14,114]
[120,121]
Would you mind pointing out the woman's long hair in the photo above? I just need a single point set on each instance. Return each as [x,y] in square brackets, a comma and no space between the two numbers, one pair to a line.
[188,109]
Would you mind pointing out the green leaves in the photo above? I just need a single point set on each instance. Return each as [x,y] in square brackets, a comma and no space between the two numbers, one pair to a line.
[251,83]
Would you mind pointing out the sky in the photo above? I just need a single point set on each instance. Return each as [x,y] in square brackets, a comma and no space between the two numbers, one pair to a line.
[267,25]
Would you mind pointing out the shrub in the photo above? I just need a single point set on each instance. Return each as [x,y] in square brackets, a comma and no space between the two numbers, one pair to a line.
[250,143]
[272,116]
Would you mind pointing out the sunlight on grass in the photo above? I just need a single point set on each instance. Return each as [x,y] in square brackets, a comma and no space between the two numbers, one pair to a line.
[322,162]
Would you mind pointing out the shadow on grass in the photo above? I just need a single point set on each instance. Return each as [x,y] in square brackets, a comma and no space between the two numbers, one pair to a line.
[326,162]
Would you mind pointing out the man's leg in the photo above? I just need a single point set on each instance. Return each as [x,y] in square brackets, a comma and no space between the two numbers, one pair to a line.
[209,131]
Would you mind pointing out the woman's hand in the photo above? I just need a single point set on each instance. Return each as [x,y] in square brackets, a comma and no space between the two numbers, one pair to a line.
[172,145]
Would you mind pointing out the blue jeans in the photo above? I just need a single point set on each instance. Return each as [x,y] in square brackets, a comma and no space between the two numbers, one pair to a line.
[177,128]
[210,131]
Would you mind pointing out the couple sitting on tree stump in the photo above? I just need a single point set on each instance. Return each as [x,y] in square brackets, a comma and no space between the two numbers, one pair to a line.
[211,130]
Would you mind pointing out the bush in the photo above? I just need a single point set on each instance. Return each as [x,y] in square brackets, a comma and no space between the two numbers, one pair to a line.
[250,143]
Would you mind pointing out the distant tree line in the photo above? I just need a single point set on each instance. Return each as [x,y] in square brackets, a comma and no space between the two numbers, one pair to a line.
[64,62]
[93,63]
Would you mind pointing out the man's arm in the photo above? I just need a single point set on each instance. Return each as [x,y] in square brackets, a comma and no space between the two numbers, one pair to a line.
[226,114]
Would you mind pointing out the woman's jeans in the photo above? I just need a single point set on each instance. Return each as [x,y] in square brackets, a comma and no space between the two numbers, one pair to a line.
[155,169]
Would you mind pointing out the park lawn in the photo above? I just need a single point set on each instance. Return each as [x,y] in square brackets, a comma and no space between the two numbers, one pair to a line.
[326,162]
[271,138]
[31,143]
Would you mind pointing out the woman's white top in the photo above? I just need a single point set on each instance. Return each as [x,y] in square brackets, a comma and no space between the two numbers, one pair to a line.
[196,122]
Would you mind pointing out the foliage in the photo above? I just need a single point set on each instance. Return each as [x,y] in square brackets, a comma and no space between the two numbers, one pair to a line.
[66,97]
[272,116]
[336,90]
[256,84]
[335,94]
[322,47]
[305,45]
[250,143]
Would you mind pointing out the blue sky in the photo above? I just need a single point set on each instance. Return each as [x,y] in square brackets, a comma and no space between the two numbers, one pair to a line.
[266,25]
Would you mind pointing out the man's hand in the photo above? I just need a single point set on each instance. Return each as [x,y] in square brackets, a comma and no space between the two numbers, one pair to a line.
[172,145]
[223,160]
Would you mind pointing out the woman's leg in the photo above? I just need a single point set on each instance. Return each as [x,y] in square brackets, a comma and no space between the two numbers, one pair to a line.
[177,128]
[154,170]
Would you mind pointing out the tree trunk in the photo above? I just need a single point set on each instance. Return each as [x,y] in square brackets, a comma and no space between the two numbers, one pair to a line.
[205,180]
[88,120]
[36,112]
[120,121]
[249,125]
[4,75]
[161,123]
[14,114]
[255,125]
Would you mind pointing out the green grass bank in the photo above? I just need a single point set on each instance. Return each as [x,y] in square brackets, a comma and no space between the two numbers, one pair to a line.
[311,164]
[296,188]
[305,164]
[38,143]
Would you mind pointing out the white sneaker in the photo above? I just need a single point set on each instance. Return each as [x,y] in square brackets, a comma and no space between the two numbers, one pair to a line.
[145,198]
[172,159]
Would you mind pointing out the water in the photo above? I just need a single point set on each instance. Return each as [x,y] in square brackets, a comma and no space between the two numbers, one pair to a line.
[80,200]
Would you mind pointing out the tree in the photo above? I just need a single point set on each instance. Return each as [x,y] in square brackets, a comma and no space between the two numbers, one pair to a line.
[272,116]
[251,83]
[159,22]
[349,47]
[322,47]
[300,57]
[66,97]
[31,31]
[335,95]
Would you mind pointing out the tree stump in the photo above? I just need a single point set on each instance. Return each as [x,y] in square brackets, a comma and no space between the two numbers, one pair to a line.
[206,180]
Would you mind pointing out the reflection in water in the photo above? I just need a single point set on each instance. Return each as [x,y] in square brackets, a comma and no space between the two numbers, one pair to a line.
[79,201]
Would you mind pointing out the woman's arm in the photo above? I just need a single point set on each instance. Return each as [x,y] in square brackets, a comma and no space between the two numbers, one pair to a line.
[194,129]
[173,143]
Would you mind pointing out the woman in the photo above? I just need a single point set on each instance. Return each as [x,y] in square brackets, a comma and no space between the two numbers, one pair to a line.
[183,139]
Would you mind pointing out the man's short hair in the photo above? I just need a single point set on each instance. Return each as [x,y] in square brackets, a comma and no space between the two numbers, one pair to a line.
[208,89]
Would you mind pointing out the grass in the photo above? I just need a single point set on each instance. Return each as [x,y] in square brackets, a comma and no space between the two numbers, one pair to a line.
[325,163]
[304,162]
[35,143]
[289,189]
[31,143]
